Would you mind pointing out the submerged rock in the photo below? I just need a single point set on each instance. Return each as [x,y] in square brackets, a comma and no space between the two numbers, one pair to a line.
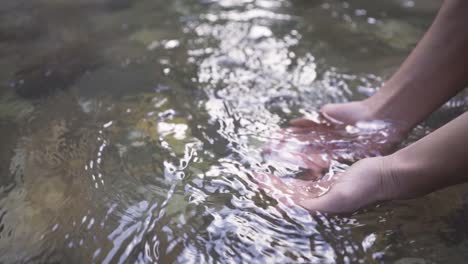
[394,33]
[19,26]
[7,141]
[57,70]
[14,108]
[117,5]
[398,34]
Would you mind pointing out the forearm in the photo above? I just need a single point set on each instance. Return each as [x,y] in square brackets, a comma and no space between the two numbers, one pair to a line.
[435,71]
[436,161]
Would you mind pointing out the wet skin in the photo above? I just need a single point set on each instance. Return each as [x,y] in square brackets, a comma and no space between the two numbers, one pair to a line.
[312,145]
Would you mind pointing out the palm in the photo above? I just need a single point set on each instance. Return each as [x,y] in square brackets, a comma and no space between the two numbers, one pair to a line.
[312,145]
[359,186]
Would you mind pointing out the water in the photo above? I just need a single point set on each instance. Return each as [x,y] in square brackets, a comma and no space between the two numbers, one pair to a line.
[130,130]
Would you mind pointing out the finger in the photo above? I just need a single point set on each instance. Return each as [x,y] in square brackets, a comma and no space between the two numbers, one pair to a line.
[291,192]
[294,130]
[305,190]
[302,122]
[329,111]
[327,203]
[274,187]
[316,166]
[306,124]
[312,165]
[333,202]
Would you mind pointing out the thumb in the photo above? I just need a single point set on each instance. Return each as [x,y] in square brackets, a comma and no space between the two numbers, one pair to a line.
[328,203]
[334,201]
[302,122]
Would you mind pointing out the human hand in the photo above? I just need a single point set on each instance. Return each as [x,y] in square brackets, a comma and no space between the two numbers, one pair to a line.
[313,144]
[367,182]
[344,141]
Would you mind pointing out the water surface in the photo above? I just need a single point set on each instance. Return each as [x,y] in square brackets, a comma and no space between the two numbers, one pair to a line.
[130,130]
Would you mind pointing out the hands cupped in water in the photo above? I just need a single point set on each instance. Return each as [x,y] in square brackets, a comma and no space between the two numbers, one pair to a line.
[312,145]
[363,184]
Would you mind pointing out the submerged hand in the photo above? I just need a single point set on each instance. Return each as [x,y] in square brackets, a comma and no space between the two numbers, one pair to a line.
[347,142]
[311,145]
[365,183]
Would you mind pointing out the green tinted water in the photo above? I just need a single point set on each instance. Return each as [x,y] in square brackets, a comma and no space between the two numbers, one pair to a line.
[129,130]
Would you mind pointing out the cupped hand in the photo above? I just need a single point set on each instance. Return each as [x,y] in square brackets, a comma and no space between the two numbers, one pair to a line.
[344,141]
[365,183]
[313,144]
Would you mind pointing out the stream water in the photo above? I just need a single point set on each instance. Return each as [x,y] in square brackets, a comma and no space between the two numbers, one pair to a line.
[129,130]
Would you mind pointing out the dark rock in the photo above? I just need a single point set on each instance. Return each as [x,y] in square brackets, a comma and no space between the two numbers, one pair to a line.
[55,71]
[17,26]
[118,5]
[8,139]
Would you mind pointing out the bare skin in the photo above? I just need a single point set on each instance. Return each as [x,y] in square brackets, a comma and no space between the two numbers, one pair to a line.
[434,162]
[313,144]
[435,71]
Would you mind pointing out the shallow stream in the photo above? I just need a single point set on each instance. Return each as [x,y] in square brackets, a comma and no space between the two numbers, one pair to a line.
[129,130]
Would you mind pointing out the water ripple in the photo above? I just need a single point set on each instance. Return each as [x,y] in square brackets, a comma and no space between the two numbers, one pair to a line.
[151,155]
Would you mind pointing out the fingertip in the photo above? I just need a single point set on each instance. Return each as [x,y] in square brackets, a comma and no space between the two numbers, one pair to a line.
[309,205]
[329,111]
[327,107]
[321,204]
[302,122]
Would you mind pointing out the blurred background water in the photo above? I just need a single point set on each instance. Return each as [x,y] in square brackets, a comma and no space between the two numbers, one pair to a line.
[129,130]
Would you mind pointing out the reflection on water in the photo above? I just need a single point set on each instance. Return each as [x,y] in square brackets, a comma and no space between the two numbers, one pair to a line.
[132,135]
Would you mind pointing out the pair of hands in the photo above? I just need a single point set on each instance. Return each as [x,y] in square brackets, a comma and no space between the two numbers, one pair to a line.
[313,145]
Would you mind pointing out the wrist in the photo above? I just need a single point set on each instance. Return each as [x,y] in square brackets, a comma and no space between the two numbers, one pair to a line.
[405,175]
[381,107]
[395,104]
[368,110]
[390,178]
